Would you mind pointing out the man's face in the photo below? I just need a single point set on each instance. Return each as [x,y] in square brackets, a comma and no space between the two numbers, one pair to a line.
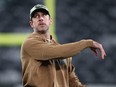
[40,22]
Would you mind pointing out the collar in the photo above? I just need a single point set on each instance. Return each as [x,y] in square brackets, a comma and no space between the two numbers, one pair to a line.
[42,36]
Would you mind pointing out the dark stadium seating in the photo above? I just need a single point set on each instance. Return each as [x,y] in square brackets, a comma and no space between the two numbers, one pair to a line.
[75,20]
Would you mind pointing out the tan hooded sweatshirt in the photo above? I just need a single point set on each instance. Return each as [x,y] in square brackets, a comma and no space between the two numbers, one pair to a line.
[48,64]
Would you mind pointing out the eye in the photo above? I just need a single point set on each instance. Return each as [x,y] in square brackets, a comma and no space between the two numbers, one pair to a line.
[35,16]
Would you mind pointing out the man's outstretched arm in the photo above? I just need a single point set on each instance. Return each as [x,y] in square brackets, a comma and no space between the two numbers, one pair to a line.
[43,51]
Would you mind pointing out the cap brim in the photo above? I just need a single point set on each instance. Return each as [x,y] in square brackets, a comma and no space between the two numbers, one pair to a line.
[39,10]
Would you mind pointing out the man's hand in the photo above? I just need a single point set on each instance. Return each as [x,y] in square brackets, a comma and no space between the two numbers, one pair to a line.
[98,46]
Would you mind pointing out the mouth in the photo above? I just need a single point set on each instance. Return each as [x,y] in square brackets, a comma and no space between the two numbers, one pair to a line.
[41,23]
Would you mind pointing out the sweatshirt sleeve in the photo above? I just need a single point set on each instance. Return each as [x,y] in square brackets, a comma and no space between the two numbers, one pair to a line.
[44,51]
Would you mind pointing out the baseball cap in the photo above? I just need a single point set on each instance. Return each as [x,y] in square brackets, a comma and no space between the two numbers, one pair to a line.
[38,7]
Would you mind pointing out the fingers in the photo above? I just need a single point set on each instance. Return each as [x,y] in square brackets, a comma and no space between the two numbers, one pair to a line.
[94,50]
[103,53]
[99,46]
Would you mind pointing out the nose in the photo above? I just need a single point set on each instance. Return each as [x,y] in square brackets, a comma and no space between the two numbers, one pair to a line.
[40,18]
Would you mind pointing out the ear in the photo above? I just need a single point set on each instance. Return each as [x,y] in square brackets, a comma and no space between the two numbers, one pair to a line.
[50,20]
[31,23]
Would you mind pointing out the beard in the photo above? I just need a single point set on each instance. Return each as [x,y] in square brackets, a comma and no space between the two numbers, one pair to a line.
[42,29]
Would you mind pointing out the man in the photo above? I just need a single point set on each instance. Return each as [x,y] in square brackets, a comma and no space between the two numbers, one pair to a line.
[46,63]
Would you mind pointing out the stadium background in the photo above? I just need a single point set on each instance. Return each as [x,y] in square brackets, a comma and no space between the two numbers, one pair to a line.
[73,20]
